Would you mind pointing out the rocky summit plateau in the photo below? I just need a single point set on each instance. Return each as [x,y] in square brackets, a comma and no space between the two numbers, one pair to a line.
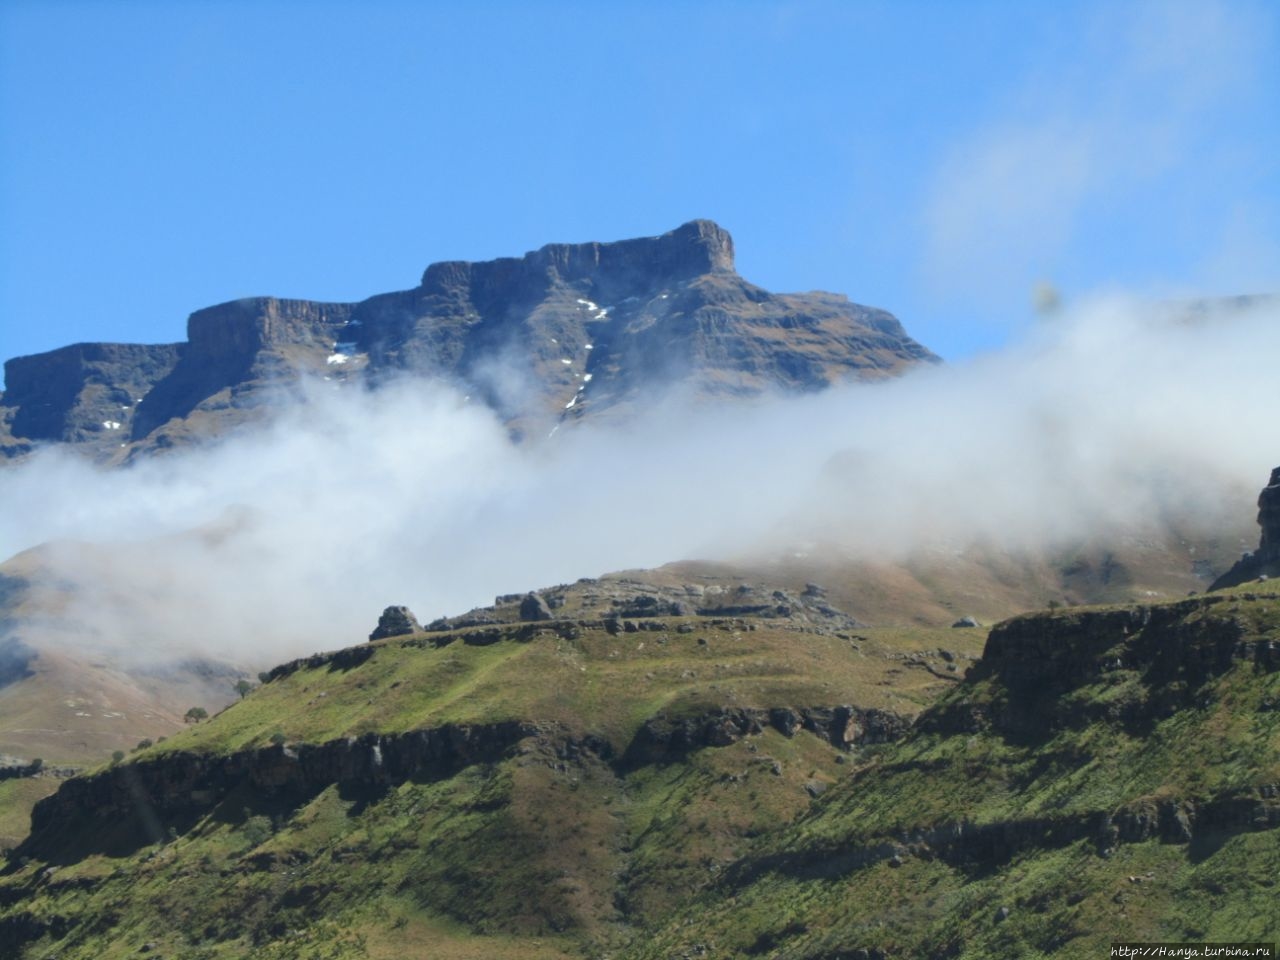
[566,331]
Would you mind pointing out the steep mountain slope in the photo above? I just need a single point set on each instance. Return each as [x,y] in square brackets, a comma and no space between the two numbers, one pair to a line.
[641,783]
[563,331]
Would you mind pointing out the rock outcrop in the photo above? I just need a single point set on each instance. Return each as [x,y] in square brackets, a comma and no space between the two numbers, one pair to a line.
[533,607]
[581,327]
[137,803]
[621,600]
[1265,561]
[395,622]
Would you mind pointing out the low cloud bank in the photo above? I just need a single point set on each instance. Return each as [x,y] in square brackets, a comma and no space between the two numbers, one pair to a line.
[292,538]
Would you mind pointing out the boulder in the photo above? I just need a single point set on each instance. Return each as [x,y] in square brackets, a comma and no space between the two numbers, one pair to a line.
[965,622]
[534,607]
[395,622]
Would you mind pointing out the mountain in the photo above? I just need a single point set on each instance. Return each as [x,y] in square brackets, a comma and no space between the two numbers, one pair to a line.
[566,331]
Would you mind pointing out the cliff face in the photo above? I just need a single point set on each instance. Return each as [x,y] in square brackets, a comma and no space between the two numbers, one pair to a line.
[582,328]
[1155,658]
[88,393]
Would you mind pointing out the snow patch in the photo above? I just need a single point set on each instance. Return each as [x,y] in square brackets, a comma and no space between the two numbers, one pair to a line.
[111,424]
[586,377]
[563,360]
[336,358]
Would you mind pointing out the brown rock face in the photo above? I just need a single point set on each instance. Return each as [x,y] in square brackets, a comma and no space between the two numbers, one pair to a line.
[580,328]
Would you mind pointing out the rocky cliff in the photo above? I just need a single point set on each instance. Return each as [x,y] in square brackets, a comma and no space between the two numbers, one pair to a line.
[567,330]
[1265,561]
[87,394]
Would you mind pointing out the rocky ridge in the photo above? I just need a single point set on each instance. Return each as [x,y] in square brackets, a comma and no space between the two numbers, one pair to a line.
[628,603]
[542,339]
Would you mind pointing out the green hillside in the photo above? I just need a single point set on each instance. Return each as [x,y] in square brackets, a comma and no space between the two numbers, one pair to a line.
[695,786]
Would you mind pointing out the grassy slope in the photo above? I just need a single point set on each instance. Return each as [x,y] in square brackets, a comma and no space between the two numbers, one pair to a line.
[595,683]
[540,855]
[17,797]
[535,855]
[1062,899]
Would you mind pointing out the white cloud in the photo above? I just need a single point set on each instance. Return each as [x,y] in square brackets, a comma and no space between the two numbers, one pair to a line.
[293,538]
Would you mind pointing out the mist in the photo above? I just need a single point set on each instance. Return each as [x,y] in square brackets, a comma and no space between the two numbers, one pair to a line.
[293,536]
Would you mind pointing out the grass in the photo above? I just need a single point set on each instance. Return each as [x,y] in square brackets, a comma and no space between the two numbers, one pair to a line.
[597,682]
[542,854]
[17,797]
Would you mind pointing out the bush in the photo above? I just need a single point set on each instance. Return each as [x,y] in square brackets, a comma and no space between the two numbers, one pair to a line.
[117,756]
[256,830]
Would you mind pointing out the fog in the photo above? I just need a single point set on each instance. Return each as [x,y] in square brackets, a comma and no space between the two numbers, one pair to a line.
[293,537]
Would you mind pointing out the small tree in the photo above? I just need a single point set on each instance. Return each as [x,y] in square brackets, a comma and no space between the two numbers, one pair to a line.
[243,687]
[277,738]
[143,744]
[196,714]
[117,756]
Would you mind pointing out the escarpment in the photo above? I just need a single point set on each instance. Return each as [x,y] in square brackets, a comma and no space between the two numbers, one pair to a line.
[566,331]
[1152,659]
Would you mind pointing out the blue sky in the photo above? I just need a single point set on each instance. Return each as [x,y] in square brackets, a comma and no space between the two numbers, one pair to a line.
[940,160]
